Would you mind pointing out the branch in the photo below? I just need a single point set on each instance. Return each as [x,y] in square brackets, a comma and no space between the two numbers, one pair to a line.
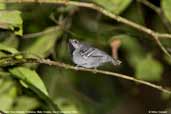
[159,12]
[67,66]
[99,9]
[155,35]
[150,5]
[161,46]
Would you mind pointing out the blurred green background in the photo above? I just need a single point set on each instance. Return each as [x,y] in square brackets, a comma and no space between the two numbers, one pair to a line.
[44,29]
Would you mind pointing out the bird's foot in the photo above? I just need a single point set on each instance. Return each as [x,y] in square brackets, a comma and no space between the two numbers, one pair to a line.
[77,67]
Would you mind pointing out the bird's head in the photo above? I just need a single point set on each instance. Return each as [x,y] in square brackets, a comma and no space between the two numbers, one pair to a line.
[74,43]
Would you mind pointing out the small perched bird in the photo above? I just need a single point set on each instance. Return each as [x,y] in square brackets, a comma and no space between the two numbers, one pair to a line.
[89,57]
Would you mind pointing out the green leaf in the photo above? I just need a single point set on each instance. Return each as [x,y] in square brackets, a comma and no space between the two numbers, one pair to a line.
[2,6]
[24,102]
[11,20]
[7,97]
[166,8]
[146,68]
[30,77]
[134,51]
[66,104]
[115,6]
[33,81]
[7,102]
[45,43]
[149,69]
[7,49]
[11,41]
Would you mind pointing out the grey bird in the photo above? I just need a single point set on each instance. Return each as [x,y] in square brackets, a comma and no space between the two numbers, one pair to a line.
[87,56]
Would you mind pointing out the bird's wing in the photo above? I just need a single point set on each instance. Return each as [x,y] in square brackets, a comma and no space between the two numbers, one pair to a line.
[98,53]
[91,52]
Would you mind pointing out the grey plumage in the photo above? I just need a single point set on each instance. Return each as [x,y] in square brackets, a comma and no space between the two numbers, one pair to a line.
[87,56]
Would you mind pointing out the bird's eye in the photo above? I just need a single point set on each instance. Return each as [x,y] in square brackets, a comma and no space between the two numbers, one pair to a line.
[75,41]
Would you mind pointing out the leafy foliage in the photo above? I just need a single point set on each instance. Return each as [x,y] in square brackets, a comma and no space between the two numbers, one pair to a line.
[43,30]
[29,77]
[11,20]
[115,6]
[166,8]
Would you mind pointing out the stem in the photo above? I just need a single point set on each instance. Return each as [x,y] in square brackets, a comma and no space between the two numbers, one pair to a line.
[99,9]
[67,66]
[155,35]
[159,12]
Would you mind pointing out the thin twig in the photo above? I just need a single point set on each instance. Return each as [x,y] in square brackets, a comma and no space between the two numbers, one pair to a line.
[159,12]
[67,66]
[33,35]
[37,34]
[99,9]
[155,35]
[150,5]
[162,47]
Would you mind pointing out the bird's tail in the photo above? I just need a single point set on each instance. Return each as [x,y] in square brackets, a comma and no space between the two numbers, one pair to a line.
[116,62]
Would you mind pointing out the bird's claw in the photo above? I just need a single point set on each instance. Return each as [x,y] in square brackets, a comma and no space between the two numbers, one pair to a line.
[76,67]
